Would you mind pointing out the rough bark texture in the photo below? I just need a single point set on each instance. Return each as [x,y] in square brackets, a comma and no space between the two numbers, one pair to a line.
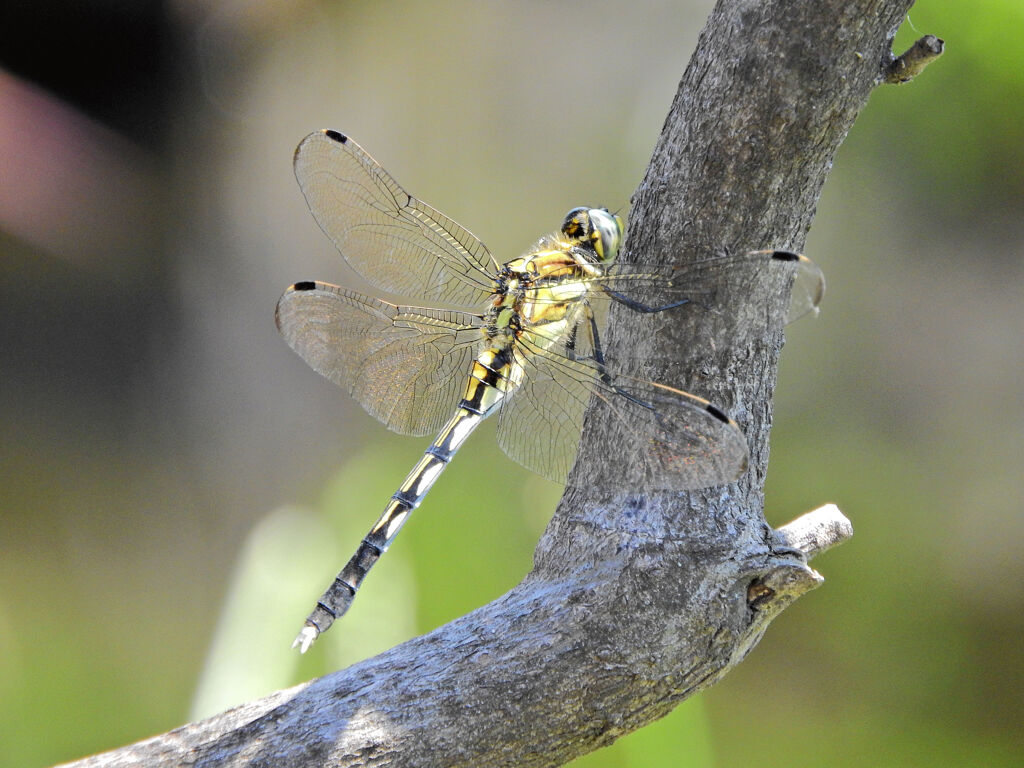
[635,601]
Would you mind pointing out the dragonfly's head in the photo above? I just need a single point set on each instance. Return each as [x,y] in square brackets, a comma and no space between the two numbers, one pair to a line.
[595,228]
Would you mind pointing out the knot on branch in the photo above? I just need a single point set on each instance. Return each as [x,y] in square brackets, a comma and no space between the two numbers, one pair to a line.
[786,576]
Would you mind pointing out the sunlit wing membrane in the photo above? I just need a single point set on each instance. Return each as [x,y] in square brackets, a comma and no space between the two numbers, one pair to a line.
[666,439]
[397,243]
[808,289]
[655,287]
[406,366]
[539,427]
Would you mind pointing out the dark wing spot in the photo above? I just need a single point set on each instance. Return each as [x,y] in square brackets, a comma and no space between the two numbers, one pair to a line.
[716,413]
[306,285]
[341,138]
[785,256]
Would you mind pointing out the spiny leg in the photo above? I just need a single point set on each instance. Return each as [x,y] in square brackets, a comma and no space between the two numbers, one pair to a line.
[639,306]
[598,357]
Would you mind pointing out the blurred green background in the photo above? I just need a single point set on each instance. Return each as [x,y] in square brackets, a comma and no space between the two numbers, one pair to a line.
[165,459]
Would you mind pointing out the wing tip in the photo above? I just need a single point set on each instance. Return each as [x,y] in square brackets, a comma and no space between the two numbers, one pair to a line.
[809,274]
[302,286]
[315,137]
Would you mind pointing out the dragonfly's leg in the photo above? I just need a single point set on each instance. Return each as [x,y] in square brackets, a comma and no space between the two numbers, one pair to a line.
[638,306]
[570,343]
[595,344]
[598,357]
[633,398]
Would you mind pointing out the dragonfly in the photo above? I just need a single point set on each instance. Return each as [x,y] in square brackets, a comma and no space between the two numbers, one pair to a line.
[525,347]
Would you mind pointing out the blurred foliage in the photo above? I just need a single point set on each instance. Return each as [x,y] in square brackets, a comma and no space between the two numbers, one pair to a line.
[956,143]
[158,437]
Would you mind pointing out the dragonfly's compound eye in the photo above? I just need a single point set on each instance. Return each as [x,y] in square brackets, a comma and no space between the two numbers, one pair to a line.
[577,224]
[596,227]
[605,234]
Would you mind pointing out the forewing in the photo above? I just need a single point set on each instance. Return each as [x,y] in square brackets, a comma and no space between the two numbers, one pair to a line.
[664,438]
[660,286]
[397,243]
[407,366]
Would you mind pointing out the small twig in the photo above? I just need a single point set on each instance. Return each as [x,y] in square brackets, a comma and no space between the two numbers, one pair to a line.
[806,537]
[905,68]
[815,532]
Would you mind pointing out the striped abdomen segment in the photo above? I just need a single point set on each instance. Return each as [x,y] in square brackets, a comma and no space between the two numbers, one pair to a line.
[487,386]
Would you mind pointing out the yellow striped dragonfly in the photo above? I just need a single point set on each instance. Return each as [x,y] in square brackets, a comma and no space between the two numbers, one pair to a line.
[530,352]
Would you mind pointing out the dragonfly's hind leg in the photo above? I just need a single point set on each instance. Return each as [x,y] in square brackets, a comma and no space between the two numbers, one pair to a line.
[598,357]
[596,353]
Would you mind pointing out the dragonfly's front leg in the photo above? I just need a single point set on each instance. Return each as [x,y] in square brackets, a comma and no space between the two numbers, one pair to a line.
[638,306]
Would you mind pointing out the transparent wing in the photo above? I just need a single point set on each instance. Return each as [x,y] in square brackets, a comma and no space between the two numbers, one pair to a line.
[655,287]
[665,438]
[539,426]
[407,366]
[397,243]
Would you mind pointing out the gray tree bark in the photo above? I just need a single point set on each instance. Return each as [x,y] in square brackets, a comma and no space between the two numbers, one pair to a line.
[636,601]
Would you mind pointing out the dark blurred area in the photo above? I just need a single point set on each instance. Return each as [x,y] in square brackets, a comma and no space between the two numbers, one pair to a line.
[111,60]
[87,92]
[176,485]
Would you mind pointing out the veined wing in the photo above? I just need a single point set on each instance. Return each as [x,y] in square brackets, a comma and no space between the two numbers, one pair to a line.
[665,438]
[406,366]
[663,285]
[397,243]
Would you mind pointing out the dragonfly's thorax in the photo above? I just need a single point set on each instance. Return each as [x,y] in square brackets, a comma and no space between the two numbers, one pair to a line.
[538,287]
[538,299]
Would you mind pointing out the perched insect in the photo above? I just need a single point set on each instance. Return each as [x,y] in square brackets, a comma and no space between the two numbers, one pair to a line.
[532,355]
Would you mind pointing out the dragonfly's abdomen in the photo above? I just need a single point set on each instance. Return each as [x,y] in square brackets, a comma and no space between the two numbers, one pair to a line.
[493,376]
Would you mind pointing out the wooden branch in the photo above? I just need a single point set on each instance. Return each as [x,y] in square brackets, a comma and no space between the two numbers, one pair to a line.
[636,600]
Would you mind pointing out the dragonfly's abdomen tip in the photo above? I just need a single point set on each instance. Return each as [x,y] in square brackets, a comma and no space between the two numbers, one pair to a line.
[305,638]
